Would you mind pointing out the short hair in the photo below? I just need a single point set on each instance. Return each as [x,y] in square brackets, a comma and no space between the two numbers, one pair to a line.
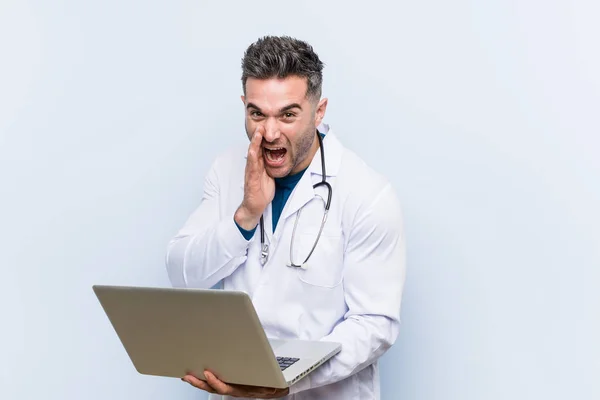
[280,57]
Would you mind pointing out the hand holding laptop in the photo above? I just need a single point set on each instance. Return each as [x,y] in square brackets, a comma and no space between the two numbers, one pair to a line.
[214,385]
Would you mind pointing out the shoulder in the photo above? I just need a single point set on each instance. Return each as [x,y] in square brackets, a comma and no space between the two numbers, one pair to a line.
[361,182]
[353,168]
[366,193]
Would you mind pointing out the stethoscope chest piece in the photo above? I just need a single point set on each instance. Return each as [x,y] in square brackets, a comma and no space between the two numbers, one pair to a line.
[264,253]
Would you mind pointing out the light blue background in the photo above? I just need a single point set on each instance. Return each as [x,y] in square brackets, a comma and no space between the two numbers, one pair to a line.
[485,115]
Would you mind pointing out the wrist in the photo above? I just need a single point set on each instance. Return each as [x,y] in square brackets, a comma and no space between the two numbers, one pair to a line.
[246,219]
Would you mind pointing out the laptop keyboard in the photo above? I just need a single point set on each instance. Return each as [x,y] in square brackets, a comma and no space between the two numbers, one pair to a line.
[285,362]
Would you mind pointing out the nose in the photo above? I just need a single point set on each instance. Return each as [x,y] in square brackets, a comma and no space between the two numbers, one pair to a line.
[272,132]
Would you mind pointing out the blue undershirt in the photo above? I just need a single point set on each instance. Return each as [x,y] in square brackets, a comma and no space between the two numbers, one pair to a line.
[283,188]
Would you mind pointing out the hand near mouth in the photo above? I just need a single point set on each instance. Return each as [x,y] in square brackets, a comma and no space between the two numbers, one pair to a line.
[259,187]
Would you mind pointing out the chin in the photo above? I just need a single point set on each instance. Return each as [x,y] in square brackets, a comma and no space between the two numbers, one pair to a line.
[280,172]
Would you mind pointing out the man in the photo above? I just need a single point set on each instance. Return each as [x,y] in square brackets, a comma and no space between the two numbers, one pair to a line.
[349,290]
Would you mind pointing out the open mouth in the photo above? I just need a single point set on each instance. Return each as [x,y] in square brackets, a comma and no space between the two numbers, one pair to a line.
[275,156]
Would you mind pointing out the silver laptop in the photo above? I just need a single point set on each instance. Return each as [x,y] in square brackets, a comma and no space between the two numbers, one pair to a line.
[172,332]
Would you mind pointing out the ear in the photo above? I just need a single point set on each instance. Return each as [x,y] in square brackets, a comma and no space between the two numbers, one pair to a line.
[243,99]
[320,113]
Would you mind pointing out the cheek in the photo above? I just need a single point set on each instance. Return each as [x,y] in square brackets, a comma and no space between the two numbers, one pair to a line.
[289,135]
[250,127]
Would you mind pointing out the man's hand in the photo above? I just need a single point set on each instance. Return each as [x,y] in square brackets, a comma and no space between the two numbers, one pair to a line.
[214,385]
[259,187]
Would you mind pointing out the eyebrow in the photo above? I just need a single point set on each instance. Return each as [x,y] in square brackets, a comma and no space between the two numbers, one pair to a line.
[281,111]
[290,107]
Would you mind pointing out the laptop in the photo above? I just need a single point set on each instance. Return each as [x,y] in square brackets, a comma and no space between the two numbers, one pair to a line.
[172,332]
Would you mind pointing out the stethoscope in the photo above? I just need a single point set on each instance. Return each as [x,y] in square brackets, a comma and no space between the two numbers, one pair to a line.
[264,254]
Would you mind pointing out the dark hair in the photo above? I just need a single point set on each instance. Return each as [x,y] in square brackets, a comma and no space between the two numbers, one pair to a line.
[283,56]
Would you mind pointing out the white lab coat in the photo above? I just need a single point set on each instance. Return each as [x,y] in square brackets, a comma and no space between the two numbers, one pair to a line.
[352,288]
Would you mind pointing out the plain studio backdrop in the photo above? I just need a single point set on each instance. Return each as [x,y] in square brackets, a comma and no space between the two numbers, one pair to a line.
[484,115]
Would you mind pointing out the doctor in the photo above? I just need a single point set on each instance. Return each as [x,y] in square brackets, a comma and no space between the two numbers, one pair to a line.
[302,225]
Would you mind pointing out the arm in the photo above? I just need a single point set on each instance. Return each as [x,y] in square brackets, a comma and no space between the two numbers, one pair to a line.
[207,248]
[374,274]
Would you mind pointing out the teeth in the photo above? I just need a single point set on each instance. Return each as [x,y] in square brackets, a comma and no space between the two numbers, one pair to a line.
[270,156]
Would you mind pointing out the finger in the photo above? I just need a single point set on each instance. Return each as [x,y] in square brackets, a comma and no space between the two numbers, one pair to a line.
[268,391]
[218,385]
[255,162]
[254,150]
[260,130]
[198,383]
[257,140]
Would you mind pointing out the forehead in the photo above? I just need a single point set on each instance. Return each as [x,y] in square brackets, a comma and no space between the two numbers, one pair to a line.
[275,93]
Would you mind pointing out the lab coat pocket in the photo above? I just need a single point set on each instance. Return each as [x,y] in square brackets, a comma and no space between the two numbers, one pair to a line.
[324,267]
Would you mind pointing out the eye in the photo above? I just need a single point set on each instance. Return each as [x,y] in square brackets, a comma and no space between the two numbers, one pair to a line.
[256,114]
[289,115]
